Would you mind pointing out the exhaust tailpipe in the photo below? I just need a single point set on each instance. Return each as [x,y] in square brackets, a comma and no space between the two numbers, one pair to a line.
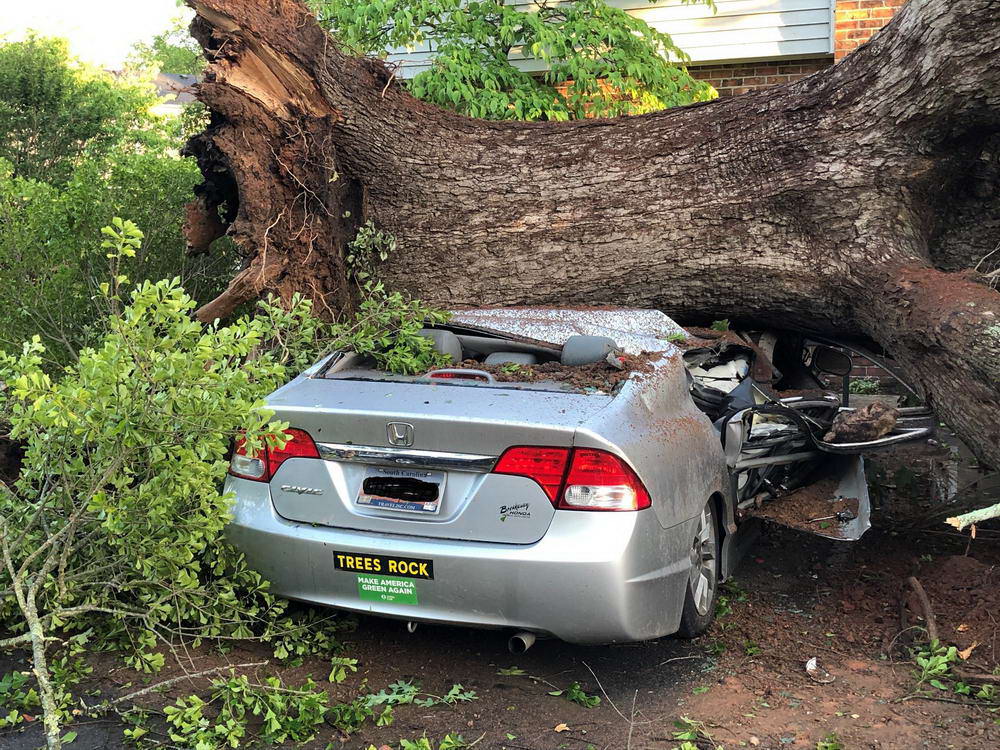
[520,642]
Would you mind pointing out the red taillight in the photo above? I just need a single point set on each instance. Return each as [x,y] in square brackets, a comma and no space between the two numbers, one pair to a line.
[598,480]
[262,466]
[299,445]
[547,466]
[456,375]
[578,479]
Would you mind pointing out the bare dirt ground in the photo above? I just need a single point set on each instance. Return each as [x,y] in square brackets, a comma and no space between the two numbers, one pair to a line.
[796,596]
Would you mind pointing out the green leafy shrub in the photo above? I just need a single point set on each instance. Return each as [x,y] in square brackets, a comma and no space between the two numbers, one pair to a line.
[52,269]
[78,147]
[55,111]
[115,525]
[865,386]
[386,328]
[600,60]
[124,458]
[116,521]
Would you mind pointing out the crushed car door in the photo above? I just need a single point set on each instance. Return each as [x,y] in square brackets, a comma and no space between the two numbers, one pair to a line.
[788,457]
[779,474]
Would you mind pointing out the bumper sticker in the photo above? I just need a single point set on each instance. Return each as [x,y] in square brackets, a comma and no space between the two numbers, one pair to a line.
[387,590]
[403,567]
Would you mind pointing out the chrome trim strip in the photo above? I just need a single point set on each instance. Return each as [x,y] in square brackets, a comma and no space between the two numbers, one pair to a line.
[904,435]
[377,456]
[788,458]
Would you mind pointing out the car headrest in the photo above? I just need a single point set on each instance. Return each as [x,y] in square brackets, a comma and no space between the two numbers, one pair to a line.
[586,350]
[445,342]
[517,358]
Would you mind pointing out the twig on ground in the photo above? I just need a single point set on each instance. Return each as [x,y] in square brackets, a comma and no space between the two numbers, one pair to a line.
[608,699]
[604,692]
[679,658]
[182,678]
[942,699]
[631,723]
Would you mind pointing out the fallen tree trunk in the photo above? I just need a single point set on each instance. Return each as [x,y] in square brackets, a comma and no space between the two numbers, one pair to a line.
[832,203]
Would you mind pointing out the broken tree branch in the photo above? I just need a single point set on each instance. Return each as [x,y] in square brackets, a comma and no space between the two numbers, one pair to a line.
[977,516]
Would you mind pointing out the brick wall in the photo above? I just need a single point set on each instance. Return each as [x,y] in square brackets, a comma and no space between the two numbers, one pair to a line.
[865,368]
[857,20]
[738,78]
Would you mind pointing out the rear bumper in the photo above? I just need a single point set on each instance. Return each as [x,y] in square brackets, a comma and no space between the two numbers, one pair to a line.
[593,578]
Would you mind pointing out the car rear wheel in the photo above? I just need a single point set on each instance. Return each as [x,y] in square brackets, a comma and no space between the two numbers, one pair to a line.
[703,579]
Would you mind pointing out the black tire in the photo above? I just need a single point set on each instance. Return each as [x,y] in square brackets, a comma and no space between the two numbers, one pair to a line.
[702,588]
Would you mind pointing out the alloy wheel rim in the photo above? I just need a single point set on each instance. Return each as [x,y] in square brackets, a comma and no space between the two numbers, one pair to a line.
[703,578]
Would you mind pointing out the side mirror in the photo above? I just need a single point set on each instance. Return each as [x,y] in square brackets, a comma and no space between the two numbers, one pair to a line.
[832,361]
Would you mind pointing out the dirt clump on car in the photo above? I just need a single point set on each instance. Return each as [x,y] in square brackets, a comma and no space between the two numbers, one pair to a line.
[809,508]
[867,423]
[597,376]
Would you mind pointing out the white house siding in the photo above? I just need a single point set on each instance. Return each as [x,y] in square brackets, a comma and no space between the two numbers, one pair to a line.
[740,30]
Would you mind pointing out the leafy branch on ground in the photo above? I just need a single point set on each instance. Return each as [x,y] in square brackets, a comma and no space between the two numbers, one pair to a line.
[830,742]
[283,714]
[449,742]
[694,734]
[403,692]
[575,694]
[934,666]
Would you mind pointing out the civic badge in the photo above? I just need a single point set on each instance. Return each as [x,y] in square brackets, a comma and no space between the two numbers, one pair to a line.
[400,434]
[301,490]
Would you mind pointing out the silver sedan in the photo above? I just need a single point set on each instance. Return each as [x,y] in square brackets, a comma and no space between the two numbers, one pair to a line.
[564,478]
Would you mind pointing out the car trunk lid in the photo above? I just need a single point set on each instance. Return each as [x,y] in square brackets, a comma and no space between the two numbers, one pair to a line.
[415,458]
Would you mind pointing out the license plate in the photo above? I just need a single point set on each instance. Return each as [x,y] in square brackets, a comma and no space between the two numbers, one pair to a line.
[403,490]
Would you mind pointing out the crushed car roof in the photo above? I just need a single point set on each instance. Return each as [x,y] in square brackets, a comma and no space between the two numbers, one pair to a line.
[634,330]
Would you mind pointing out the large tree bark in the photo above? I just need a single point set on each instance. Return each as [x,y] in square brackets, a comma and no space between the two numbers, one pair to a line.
[837,203]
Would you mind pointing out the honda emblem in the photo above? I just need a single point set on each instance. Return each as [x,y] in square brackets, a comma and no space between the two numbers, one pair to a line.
[400,434]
